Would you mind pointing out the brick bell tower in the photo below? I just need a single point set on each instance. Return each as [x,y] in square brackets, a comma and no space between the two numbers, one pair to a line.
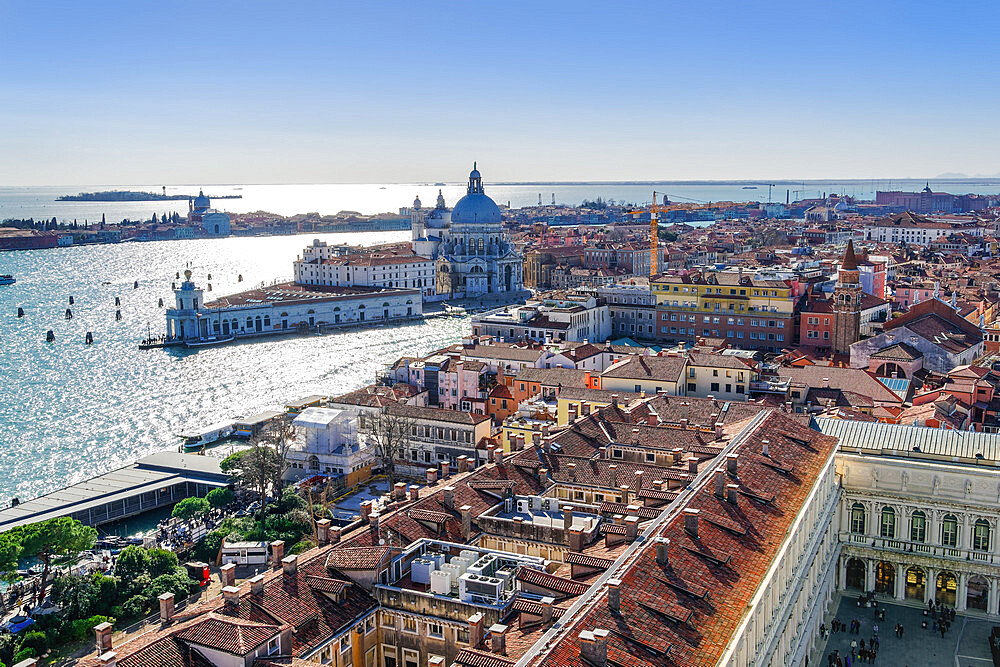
[847,303]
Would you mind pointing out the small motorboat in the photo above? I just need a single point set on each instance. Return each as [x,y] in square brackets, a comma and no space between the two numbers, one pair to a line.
[197,438]
[7,279]
[208,342]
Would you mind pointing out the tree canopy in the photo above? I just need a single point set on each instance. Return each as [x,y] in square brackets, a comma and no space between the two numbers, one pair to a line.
[189,508]
[47,541]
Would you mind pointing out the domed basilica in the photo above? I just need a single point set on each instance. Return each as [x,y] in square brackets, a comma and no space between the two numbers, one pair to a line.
[472,254]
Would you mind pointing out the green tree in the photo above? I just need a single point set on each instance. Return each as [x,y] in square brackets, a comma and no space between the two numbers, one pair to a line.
[48,541]
[219,498]
[189,508]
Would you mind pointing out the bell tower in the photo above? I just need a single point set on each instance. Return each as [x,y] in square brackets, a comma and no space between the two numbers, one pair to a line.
[847,303]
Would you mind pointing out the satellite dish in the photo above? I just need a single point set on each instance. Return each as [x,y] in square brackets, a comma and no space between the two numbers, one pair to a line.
[382,542]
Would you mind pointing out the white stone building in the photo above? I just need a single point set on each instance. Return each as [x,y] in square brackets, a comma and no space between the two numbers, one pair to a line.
[555,316]
[919,513]
[327,442]
[337,266]
[473,255]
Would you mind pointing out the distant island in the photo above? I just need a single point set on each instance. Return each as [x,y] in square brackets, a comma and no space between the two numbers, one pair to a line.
[132,195]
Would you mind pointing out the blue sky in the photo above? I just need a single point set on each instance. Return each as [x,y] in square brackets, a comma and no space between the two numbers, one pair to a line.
[265,92]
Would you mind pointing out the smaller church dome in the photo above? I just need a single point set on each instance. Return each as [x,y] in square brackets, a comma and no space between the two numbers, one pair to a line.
[201,201]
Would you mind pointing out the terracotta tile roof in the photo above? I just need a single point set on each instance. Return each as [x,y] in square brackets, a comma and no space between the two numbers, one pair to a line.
[550,581]
[234,636]
[468,657]
[589,561]
[357,558]
[665,608]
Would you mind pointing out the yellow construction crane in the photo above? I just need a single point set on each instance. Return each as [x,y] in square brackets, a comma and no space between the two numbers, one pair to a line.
[654,255]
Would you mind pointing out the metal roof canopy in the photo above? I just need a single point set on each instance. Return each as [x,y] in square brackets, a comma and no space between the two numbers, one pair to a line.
[150,473]
[921,442]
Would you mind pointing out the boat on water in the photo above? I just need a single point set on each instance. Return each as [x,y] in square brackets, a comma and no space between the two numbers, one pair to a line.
[7,279]
[749,187]
[440,184]
[201,437]
[209,342]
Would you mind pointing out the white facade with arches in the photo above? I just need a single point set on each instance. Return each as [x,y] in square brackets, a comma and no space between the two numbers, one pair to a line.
[922,525]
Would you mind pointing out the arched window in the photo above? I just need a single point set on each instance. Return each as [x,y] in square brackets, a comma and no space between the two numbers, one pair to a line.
[949,531]
[267,320]
[981,535]
[482,246]
[918,527]
[249,323]
[472,246]
[887,526]
[858,518]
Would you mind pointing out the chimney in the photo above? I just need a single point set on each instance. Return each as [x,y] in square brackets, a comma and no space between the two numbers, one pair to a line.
[498,639]
[614,400]
[102,632]
[323,531]
[373,526]
[543,474]
[227,574]
[732,464]
[475,630]
[498,456]
[366,510]
[633,510]
[547,603]
[231,595]
[631,528]
[334,534]
[594,647]
[278,550]
[764,449]
[448,497]
[615,595]
[626,494]
[732,492]
[684,423]
[466,511]
[291,563]
[637,481]
[432,476]
[826,382]
[166,607]
[571,469]
[545,431]
[691,522]
[572,413]
[692,464]
[399,491]
[257,585]
[585,408]
[576,539]
[718,429]
[604,452]
[109,659]
[662,550]
[414,492]
[567,517]
[720,482]
[445,469]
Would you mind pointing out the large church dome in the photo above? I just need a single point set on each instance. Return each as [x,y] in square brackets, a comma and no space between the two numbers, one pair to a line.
[475,206]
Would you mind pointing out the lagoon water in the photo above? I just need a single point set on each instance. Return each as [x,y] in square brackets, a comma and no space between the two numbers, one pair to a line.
[69,411]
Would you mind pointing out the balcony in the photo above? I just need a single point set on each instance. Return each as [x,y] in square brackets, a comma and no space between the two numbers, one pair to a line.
[935,550]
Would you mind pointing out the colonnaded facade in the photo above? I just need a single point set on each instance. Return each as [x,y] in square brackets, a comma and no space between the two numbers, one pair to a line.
[919,513]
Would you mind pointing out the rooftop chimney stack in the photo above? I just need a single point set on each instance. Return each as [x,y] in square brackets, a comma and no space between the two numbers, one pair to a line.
[571,469]
[594,647]
[498,639]
[764,449]
[166,607]
[323,531]
[466,511]
[257,585]
[692,464]
[662,550]
[289,564]
[399,491]
[445,469]
[432,476]
[227,574]
[732,464]
[231,596]
[448,497]
[732,492]
[720,482]
[335,534]
[631,528]
[615,595]
[475,630]
[102,633]
[691,522]
[567,517]
[277,552]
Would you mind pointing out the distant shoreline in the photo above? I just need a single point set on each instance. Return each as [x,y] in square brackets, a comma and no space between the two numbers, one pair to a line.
[133,195]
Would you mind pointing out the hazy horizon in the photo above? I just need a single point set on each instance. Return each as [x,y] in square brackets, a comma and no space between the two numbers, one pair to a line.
[320,92]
